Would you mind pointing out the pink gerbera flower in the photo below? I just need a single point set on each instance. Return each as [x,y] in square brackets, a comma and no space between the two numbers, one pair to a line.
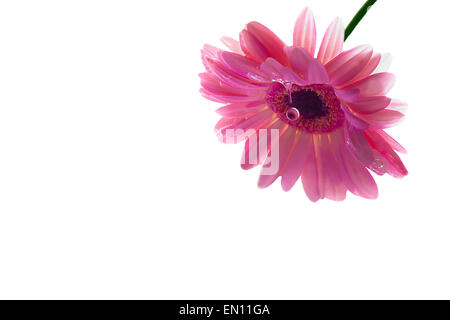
[329,109]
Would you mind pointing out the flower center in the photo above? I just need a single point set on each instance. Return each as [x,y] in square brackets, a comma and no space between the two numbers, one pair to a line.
[309,104]
[313,108]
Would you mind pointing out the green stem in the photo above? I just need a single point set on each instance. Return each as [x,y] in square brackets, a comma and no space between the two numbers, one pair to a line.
[357,19]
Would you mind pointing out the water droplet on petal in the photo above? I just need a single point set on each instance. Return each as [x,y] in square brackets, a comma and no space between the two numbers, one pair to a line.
[378,164]
[292,114]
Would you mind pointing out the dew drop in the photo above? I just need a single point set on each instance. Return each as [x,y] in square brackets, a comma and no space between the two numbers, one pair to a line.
[378,164]
[292,114]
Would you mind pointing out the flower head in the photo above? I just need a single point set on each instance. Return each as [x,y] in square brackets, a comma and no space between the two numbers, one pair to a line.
[329,110]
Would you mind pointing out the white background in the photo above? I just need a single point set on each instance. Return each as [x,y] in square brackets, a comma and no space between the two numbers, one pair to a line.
[113,184]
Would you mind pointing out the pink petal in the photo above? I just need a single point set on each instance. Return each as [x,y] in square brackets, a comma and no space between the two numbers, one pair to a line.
[252,47]
[276,71]
[251,158]
[310,176]
[253,154]
[332,42]
[357,178]
[239,110]
[215,90]
[272,69]
[374,151]
[230,78]
[337,148]
[351,68]
[359,146]
[332,185]
[232,44]
[393,165]
[377,84]
[273,45]
[217,98]
[347,95]
[255,122]
[305,32]
[370,104]
[242,66]
[227,99]
[369,68]
[321,175]
[316,73]
[208,54]
[285,145]
[299,59]
[353,174]
[210,51]
[215,86]
[238,130]
[354,120]
[226,123]
[290,76]
[383,119]
[392,142]
[344,57]
[295,163]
